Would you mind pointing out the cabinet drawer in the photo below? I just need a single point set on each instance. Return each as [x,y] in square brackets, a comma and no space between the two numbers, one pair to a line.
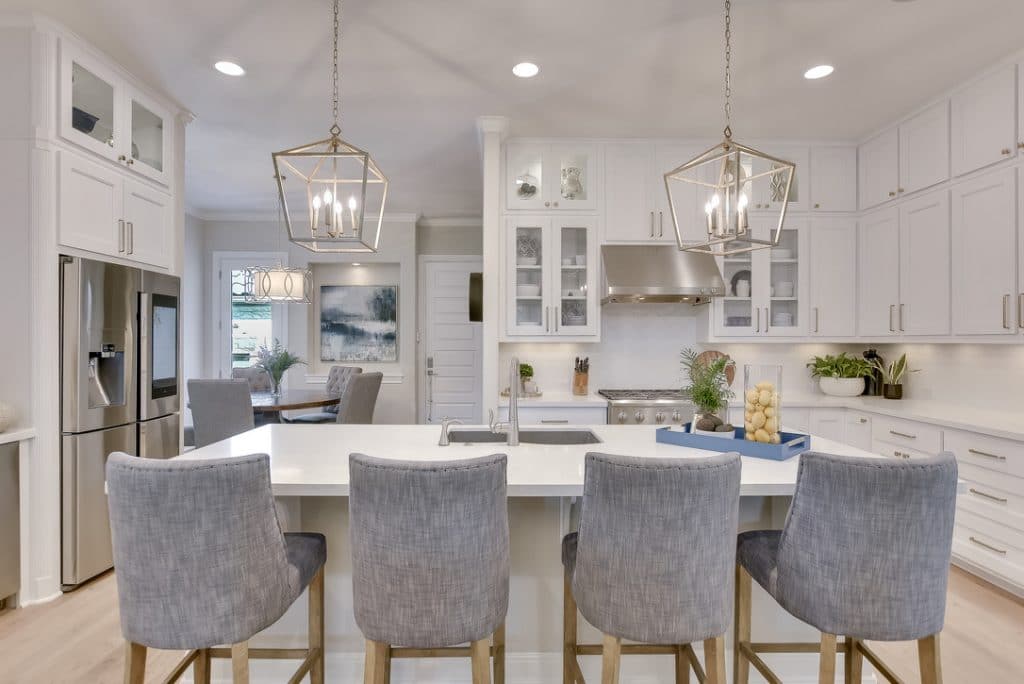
[992,495]
[898,450]
[537,415]
[906,433]
[993,453]
[991,545]
[858,430]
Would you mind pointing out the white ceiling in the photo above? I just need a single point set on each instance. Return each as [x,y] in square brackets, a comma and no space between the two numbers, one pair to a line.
[417,73]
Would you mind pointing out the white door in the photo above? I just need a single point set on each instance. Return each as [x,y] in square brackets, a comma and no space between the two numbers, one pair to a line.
[833,272]
[834,178]
[243,327]
[878,169]
[90,206]
[628,216]
[147,214]
[984,121]
[924,265]
[984,254]
[878,287]
[924,150]
[452,344]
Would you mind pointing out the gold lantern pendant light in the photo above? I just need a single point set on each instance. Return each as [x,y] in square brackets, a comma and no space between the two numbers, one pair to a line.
[721,182]
[332,192]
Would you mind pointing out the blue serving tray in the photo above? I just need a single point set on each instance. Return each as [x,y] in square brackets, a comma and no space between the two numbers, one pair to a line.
[792,443]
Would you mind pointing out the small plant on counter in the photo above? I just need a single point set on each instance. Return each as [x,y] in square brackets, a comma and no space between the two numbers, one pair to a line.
[842,375]
[276,360]
[709,391]
[892,376]
[526,378]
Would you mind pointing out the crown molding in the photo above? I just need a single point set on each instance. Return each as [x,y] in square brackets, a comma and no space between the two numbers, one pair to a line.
[450,222]
[222,216]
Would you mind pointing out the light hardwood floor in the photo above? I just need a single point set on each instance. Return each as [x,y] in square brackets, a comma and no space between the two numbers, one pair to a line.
[77,638]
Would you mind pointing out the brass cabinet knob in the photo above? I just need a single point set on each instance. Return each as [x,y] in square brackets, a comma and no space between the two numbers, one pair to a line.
[1020,145]
[892,194]
[901,190]
[121,158]
[817,206]
[547,204]
[1006,151]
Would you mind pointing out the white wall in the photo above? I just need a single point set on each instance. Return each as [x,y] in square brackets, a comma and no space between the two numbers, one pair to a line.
[193,308]
[16,277]
[451,237]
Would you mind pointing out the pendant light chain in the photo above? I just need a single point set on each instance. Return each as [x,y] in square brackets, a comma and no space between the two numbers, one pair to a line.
[728,68]
[336,128]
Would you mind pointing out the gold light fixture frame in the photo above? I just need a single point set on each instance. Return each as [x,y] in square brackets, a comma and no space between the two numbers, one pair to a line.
[278,284]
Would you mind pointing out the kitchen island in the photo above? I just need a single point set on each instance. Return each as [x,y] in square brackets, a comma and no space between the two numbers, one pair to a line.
[309,470]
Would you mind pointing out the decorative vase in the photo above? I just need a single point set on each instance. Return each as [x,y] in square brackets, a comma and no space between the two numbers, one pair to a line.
[275,385]
[6,416]
[762,405]
[892,391]
[841,387]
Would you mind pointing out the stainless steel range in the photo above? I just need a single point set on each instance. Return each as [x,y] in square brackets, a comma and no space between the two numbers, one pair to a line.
[654,407]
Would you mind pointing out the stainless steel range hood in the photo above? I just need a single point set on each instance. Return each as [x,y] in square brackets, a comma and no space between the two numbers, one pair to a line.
[653,274]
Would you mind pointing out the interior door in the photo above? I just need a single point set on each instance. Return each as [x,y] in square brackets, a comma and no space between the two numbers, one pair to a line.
[452,343]
[878,287]
[924,265]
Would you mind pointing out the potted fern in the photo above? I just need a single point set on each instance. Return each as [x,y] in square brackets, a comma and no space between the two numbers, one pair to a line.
[892,376]
[710,393]
[276,360]
[842,375]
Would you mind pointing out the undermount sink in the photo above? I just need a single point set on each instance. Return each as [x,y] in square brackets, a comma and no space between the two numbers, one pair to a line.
[554,437]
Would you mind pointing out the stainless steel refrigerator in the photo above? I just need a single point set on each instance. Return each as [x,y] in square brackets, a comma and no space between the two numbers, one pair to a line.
[120,381]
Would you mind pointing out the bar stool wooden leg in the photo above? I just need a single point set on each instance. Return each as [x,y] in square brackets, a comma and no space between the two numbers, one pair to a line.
[499,655]
[929,657]
[316,626]
[853,663]
[611,656]
[714,660]
[134,663]
[201,667]
[387,666]
[682,665]
[568,632]
[240,662]
[376,655]
[740,664]
[480,652]
[827,660]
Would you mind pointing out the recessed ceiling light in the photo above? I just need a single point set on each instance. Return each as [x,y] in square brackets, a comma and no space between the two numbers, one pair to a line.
[356,263]
[229,68]
[526,70]
[820,71]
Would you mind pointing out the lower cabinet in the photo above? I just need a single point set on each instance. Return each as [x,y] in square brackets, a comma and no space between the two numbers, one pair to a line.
[555,415]
[829,423]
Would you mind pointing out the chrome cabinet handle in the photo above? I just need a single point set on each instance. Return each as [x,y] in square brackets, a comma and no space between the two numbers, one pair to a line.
[978,492]
[766,319]
[652,224]
[553,421]
[131,238]
[1006,311]
[556,319]
[1020,310]
[758,309]
[815,319]
[977,541]
[902,434]
[892,310]
[120,235]
[547,319]
[986,454]
[661,224]
[901,317]
[900,454]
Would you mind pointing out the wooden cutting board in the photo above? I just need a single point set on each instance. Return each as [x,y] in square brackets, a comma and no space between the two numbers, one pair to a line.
[709,357]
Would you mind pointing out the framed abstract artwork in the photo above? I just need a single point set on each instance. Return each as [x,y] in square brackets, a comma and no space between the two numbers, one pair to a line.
[359,323]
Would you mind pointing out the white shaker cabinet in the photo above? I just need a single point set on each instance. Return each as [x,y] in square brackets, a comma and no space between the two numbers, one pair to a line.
[833,178]
[984,120]
[832,271]
[984,254]
[559,177]
[924,149]
[829,423]
[878,287]
[147,217]
[769,191]
[89,207]
[689,204]
[878,169]
[924,265]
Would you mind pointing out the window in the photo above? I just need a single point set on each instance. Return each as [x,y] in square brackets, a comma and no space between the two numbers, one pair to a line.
[241,327]
[252,323]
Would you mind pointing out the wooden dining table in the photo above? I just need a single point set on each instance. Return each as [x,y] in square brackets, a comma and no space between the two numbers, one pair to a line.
[269,407]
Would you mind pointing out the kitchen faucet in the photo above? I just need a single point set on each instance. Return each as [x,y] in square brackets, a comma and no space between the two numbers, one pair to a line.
[446,423]
[511,428]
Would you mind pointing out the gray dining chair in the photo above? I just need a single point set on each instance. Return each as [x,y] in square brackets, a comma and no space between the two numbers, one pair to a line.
[652,561]
[430,560]
[201,561]
[258,378]
[360,399]
[864,554]
[337,384]
[220,409]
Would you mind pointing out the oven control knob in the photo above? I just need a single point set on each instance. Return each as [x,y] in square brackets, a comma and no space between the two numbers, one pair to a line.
[639,416]
[676,417]
[659,417]
[622,416]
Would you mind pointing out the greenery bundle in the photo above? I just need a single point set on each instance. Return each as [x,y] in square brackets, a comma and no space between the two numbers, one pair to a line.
[709,386]
[525,371]
[276,360]
[894,372]
[841,366]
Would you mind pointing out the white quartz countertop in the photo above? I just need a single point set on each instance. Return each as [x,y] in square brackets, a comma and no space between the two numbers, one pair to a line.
[558,399]
[312,460]
[18,434]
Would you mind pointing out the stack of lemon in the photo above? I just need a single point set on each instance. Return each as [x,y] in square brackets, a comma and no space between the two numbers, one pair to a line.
[761,414]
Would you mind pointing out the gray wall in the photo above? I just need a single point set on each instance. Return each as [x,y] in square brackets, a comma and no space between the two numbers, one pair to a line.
[454,237]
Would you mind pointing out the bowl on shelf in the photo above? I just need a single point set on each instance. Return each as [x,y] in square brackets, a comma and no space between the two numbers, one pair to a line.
[783,289]
[526,261]
[782,319]
[737,321]
[527,290]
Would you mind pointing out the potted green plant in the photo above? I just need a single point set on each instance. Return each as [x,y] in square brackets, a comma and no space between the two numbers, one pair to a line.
[892,376]
[841,375]
[710,393]
[276,360]
[526,379]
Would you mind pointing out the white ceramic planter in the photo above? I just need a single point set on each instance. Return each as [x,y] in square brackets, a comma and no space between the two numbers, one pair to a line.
[710,433]
[842,387]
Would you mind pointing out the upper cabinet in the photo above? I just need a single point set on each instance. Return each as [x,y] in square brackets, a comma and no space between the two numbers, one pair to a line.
[103,113]
[984,121]
[551,177]
[769,190]
[834,178]
[878,169]
[832,243]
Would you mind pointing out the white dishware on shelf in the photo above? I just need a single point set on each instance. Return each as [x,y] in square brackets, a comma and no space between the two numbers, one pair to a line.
[783,289]
[527,290]
[526,261]
[7,415]
[779,253]
[782,319]
[742,288]
[567,261]
[581,259]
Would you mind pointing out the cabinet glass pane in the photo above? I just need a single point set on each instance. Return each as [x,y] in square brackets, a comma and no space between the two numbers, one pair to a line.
[737,305]
[574,174]
[784,281]
[92,104]
[525,169]
[147,137]
[529,279]
[573,278]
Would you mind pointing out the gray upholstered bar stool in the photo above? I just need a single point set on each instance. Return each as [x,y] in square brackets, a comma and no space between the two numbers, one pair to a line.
[430,561]
[864,554]
[220,409]
[200,561]
[337,385]
[652,562]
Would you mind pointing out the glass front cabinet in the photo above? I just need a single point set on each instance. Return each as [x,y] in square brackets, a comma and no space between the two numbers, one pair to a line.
[551,287]
[551,177]
[766,288]
[104,114]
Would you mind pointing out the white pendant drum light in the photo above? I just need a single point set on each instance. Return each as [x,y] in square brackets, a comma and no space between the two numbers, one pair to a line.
[332,192]
[278,283]
[722,182]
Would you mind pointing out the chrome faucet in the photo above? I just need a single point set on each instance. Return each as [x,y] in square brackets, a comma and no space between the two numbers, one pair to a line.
[445,424]
[510,428]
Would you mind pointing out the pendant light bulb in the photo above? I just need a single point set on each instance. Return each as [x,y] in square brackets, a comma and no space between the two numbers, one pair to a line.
[352,204]
[328,197]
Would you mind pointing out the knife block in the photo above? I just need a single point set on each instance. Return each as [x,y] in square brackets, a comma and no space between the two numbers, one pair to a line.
[580,384]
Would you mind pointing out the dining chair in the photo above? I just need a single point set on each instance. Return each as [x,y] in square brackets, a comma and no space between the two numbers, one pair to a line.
[864,554]
[652,562]
[220,409]
[360,399]
[337,384]
[258,378]
[201,562]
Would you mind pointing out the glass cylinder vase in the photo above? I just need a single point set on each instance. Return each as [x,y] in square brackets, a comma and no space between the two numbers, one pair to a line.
[762,403]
